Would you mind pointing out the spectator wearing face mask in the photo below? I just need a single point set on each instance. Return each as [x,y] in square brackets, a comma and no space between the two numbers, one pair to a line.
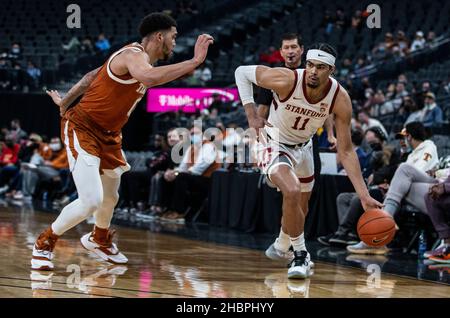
[53,168]
[16,133]
[194,172]
[410,181]
[382,163]
[431,113]
[357,139]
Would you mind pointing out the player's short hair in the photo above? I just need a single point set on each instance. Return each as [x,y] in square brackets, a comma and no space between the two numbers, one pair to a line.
[324,47]
[291,36]
[154,22]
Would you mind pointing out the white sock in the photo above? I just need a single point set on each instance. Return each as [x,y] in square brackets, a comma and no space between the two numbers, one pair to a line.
[282,242]
[298,243]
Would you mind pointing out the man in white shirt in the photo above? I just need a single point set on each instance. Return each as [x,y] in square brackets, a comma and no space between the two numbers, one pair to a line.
[367,122]
[411,180]
[419,42]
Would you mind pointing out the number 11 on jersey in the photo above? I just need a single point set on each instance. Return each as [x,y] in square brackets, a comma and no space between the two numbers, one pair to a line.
[297,123]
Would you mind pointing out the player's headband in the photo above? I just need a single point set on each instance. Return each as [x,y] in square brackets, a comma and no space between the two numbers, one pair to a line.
[321,56]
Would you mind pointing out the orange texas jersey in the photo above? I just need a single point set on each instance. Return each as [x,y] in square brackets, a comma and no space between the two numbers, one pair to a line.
[111,98]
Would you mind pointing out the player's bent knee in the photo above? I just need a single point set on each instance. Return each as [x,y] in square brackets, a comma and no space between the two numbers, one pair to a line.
[92,202]
[111,200]
[292,193]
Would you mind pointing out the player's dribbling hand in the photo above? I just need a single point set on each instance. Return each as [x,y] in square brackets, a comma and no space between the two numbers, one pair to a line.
[369,203]
[258,122]
[201,47]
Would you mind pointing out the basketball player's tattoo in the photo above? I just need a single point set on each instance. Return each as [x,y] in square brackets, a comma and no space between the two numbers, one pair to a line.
[77,90]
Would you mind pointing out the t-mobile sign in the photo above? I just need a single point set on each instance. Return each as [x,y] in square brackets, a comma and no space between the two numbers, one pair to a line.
[187,100]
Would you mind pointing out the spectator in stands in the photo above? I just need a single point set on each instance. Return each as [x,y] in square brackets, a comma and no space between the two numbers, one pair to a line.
[86,46]
[431,38]
[271,57]
[366,122]
[402,79]
[16,133]
[411,110]
[53,169]
[360,63]
[3,133]
[374,143]
[375,103]
[426,87]
[16,52]
[328,22]
[340,19]
[8,163]
[432,113]
[194,173]
[345,69]
[382,162]
[395,100]
[437,202]
[102,43]
[410,179]
[357,139]
[32,154]
[357,20]
[3,64]
[201,75]
[446,86]
[34,73]
[190,7]
[419,42]
[73,45]
[384,49]
[161,189]
[402,43]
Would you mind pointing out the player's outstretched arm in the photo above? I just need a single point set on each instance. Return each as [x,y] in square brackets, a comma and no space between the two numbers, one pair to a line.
[76,91]
[138,66]
[280,80]
[349,159]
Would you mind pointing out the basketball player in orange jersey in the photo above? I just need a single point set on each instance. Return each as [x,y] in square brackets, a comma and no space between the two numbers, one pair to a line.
[91,132]
[302,100]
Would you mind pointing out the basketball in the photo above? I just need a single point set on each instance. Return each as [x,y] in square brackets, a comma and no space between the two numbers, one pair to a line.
[376,228]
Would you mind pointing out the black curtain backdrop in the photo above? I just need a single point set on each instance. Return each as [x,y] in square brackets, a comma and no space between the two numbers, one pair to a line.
[37,113]
[239,200]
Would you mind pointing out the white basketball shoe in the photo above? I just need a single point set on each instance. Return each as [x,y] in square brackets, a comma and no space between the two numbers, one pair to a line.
[42,255]
[300,266]
[99,241]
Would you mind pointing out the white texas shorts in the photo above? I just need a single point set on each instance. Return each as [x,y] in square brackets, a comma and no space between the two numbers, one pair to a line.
[272,154]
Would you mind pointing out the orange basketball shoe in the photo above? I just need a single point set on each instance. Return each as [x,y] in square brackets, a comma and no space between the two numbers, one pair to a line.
[43,251]
[99,241]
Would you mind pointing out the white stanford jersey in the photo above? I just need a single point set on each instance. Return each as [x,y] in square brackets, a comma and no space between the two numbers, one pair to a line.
[295,120]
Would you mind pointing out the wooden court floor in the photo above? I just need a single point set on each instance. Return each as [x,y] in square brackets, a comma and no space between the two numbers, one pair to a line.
[164,265]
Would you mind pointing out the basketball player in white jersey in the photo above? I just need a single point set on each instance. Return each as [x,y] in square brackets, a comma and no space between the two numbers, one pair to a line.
[303,100]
